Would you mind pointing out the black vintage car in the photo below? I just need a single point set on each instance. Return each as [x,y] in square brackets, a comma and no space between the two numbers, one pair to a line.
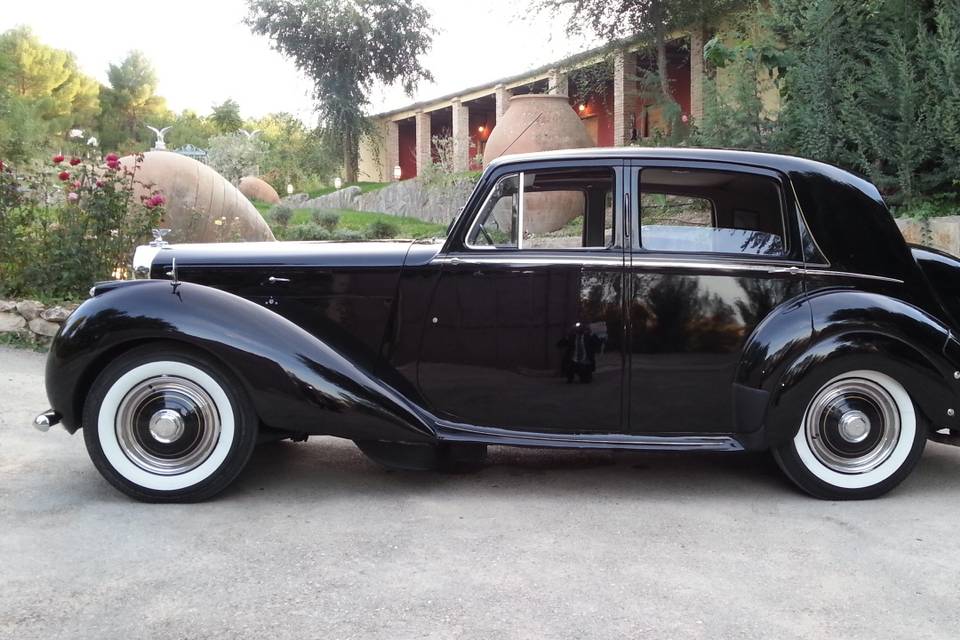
[674,300]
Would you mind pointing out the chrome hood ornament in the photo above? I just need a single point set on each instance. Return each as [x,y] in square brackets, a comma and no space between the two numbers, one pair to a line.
[158,240]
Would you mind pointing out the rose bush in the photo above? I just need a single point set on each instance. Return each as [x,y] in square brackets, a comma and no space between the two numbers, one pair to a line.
[69,223]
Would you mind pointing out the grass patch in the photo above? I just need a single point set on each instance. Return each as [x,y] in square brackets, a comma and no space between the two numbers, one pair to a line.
[21,341]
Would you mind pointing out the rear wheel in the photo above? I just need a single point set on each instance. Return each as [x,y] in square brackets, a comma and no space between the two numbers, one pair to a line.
[166,424]
[858,438]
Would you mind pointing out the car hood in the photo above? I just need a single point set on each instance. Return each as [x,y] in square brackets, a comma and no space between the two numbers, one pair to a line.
[375,253]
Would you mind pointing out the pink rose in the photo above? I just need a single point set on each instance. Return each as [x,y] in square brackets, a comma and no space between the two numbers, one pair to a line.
[73,196]
[111,157]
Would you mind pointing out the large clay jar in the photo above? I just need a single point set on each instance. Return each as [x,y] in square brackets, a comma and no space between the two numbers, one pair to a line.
[256,189]
[202,205]
[538,122]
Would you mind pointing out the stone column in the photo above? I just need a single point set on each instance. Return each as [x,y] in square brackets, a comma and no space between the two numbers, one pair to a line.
[559,83]
[696,74]
[503,100]
[461,135]
[392,151]
[424,143]
[624,96]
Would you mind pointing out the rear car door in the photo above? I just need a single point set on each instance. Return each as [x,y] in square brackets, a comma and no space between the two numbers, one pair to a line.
[714,249]
[525,328]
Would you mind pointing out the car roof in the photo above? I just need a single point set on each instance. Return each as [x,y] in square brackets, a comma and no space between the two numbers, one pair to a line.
[782,162]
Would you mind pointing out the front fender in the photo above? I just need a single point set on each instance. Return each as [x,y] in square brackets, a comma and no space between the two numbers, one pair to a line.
[862,330]
[297,381]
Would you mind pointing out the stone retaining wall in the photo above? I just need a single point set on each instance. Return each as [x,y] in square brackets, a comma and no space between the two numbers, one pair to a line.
[940,233]
[439,202]
[32,320]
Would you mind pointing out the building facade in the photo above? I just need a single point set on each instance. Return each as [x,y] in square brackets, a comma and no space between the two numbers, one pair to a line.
[603,89]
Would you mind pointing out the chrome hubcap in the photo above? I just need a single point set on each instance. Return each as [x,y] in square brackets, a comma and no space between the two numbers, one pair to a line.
[852,425]
[167,425]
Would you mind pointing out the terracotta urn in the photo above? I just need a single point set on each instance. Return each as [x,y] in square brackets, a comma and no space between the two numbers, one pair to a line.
[257,189]
[202,205]
[540,122]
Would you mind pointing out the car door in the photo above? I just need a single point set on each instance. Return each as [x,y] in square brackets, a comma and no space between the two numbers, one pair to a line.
[525,328]
[714,249]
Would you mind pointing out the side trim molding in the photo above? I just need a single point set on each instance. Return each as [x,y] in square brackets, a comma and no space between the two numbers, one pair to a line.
[454,432]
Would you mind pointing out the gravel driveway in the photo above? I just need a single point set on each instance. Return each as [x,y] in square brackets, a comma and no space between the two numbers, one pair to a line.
[315,541]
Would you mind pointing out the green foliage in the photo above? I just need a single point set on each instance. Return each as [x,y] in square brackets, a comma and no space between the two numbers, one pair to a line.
[381,229]
[130,103]
[874,88]
[236,155]
[345,47]
[226,116]
[309,231]
[870,86]
[66,226]
[326,219]
[42,95]
[281,215]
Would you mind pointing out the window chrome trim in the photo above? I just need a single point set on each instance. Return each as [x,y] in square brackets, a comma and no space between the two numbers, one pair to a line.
[847,274]
[520,214]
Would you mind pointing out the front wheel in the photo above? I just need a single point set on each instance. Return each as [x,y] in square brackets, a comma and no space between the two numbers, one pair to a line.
[858,438]
[164,424]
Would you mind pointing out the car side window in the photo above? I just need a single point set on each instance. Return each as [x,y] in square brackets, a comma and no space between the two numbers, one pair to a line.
[551,209]
[707,211]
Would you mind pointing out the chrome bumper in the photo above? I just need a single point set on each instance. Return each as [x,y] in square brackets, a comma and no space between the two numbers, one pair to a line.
[45,420]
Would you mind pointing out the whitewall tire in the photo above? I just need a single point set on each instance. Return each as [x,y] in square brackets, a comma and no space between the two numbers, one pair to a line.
[859,437]
[166,424]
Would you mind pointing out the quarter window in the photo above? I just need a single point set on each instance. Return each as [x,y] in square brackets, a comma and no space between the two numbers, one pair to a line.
[708,211]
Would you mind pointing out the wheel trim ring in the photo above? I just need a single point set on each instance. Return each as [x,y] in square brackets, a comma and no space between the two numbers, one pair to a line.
[908,430]
[106,433]
[827,398]
[148,390]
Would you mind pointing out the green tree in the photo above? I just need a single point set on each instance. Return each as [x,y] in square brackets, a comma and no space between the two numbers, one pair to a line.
[235,155]
[130,103]
[294,153]
[226,116]
[42,94]
[344,47]
[190,128]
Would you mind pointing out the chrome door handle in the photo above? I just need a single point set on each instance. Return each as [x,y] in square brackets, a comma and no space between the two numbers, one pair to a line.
[792,271]
[275,280]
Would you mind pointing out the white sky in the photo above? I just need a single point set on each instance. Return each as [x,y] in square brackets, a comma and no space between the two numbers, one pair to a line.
[203,54]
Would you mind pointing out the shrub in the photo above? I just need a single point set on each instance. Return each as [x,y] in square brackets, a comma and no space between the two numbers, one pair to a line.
[382,229]
[348,235]
[281,215]
[308,231]
[71,223]
[326,219]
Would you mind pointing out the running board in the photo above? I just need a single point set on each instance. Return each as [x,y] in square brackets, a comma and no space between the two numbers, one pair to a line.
[455,432]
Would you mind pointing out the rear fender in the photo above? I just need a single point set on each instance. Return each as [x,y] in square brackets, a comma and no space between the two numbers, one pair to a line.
[861,330]
[297,381]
